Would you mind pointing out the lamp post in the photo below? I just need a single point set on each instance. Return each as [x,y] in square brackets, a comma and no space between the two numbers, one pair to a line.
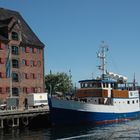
[50,90]
[70,81]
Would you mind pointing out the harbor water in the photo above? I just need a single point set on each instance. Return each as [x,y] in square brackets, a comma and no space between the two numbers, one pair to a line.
[125,131]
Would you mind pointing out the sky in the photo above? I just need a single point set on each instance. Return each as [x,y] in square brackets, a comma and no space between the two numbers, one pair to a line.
[72,31]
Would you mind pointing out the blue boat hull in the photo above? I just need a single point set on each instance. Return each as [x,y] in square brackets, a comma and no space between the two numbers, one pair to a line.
[61,116]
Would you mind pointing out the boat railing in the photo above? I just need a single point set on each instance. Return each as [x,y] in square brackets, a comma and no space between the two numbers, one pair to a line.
[86,100]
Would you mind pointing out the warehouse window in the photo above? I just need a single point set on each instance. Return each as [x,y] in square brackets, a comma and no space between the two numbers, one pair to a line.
[27,62]
[15,77]
[31,50]
[14,36]
[24,89]
[15,50]
[23,49]
[34,50]
[0,89]
[7,89]
[27,75]
[32,89]
[39,76]
[15,63]
[28,90]
[31,62]
[15,91]
[35,63]
[23,61]
[2,75]
[39,50]
[2,60]
[2,46]
[27,50]
[34,76]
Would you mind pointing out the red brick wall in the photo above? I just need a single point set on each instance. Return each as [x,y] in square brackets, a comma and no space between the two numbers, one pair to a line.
[36,81]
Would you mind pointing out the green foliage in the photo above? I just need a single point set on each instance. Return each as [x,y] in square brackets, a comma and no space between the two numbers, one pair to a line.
[59,82]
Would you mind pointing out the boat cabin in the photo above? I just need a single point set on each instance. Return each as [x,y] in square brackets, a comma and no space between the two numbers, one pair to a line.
[98,84]
[104,88]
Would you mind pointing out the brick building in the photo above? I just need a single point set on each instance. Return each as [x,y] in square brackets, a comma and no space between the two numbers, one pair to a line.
[27,56]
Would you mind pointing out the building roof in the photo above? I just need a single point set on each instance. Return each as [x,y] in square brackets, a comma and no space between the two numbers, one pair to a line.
[97,81]
[28,36]
[3,38]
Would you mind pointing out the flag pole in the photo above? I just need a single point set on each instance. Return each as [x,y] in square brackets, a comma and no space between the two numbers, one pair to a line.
[10,56]
[9,69]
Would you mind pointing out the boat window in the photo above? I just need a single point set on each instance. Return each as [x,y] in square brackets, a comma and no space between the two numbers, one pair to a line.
[112,85]
[128,102]
[115,86]
[99,85]
[99,101]
[82,85]
[137,101]
[133,101]
[94,85]
[90,85]
[120,86]
[107,85]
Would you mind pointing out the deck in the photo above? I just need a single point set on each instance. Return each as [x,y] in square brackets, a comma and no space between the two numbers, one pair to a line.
[20,117]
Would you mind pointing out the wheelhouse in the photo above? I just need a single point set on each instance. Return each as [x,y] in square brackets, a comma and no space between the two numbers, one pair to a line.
[98,84]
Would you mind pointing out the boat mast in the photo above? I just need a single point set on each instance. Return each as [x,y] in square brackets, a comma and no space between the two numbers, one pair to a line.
[102,56]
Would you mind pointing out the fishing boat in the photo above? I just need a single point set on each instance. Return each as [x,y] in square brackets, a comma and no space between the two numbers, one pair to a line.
[109,98]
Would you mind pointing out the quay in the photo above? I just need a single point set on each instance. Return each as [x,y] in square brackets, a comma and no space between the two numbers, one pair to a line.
[20,117]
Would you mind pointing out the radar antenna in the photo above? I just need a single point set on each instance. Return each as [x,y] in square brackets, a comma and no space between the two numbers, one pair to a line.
[102,56]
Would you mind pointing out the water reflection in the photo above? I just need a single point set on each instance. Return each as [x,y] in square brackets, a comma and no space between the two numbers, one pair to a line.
[128,130]
[21,134]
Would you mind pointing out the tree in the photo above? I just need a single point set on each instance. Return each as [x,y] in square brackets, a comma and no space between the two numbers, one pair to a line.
[59,82]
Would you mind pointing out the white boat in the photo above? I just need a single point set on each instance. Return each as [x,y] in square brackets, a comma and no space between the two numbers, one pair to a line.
[106,99]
